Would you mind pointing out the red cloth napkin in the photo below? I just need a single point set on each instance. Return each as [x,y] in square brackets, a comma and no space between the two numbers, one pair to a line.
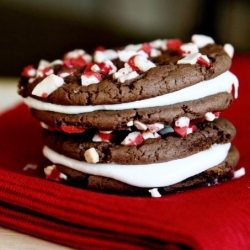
[215,217]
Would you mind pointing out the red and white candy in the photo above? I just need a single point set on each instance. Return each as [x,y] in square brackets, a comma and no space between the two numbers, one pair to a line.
[106,67]
[187,49]
[90,78]
[29,71]
[104,136]
[210,116]
[52,173]
[183,127]
[140,63]
[195,58]
[76,58]
[133,138]
[48,85]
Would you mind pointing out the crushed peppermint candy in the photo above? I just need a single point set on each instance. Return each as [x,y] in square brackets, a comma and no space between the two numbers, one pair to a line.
[239,173]
[105,137]
[133,138]
[140,125]
[48,85]
[91,155]
[88,78]
[106,67]
[140,63]
[195,58]
[184,131]
[187,49]
[29,71]
[154,193]
[210,116]
[71,129]
[229,49]
[155,127]
[66,72]
[104,55]
[76,58]
[52,173]
[201,40]
[182,122]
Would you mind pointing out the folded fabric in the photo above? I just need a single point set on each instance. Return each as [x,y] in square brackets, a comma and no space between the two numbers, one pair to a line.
[216,217]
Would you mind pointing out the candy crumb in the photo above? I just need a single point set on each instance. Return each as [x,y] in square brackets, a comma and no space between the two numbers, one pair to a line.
[240,172]
[154,193]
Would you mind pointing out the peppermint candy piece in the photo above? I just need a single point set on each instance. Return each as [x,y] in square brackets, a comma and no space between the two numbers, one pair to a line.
[155,127]
[154,193]
[52,173]
[195,58]
[184,131]
[210,116]
[187,49]
[66,72]
[202,40]
[133,138]
[147,135]
[90,78]
[182,122]
[76,58]
[106,68]
[140,63]
[106,137]
[91,155]
[229,49]
[48,85]
[103,55]
[140,125]
[71,129]
[29,71]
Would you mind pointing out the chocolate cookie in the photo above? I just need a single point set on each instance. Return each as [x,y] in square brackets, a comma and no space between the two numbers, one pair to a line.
[212,176]
[142,119]
[152,150]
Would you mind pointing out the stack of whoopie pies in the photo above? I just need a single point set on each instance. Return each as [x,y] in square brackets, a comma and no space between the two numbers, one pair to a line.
[144,119]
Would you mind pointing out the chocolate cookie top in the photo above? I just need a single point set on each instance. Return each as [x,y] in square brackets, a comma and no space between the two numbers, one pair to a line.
[132,73]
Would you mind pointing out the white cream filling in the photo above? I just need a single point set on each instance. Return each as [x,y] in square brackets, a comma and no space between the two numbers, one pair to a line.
[222,83]
[148,175]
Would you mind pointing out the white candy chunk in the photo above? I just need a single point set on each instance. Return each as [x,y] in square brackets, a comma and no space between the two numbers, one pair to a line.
[44,125]
[155,52]
[140,125]
[91,156]
[154,193]
[147,134]
[133,47]
[155,127]
[56,62]
[240,172]
[157,44]
[190,59]
[143,63]
[157,136]
[124,55]
[182,122]
[128,76]
[88,79]
[43,64]
[229,49]
[189,131]
[189,48]
[79,53]
[202,40]
[48,85]
[109,54]
[95,68]
[209,116]
[120,72]
[130,123]
[30,166]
